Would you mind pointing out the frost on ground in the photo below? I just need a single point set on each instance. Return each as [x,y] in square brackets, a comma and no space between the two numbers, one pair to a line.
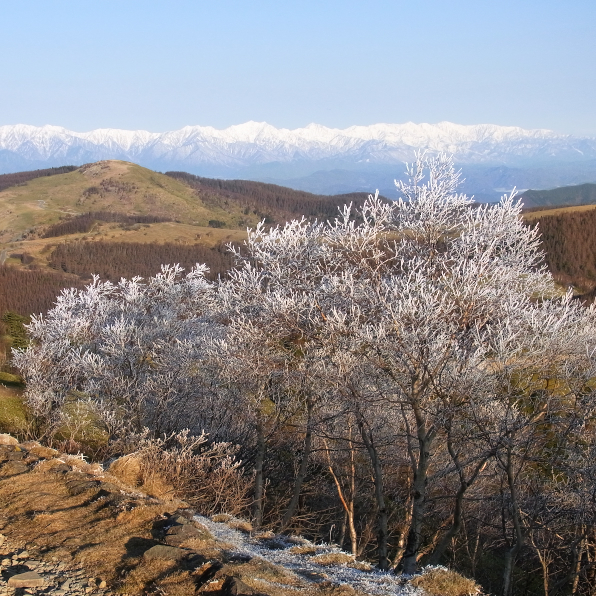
[276,550]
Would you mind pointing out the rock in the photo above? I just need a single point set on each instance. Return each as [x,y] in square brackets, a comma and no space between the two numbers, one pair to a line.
[205,571]
[179,519]
[185,513]
[103,585]
[2,539]
[78,486]
[29,579]
[238,558]
[233,586]
[178,534]
[6,439]
[168,553]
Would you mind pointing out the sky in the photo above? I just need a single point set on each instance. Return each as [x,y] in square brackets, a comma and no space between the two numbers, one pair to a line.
[162,65]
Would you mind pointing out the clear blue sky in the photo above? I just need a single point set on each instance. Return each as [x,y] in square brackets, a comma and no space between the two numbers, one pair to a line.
[160,65]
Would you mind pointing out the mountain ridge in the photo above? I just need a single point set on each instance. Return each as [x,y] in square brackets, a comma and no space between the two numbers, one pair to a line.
[258,142]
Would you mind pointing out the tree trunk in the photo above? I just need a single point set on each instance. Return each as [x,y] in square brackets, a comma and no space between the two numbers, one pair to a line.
[257,507]
[517,526]
[438,553]
[464,484]
[408,561]
[346,501]
[382,522]
[301,472]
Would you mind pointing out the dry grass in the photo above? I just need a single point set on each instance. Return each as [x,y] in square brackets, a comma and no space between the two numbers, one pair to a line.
[444,582]
[44,200]
[158,576]
[304,550]
[240,524]
[329,559]
[128,470]
[533,215]
[265,571]
[205,475]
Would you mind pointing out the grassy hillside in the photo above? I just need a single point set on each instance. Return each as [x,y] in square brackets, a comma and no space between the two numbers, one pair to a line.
[7,180]
[114,186]
[269,201]
[565,196]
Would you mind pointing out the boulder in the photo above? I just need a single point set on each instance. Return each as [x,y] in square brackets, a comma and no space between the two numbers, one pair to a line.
[167,553]
[77,486]
[29,579]
[233,586]
[180,533]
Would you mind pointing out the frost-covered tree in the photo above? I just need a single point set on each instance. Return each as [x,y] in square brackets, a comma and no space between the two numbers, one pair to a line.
[130,351]
[428,312]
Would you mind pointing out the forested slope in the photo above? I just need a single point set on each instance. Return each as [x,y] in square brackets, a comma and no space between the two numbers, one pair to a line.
[569,241]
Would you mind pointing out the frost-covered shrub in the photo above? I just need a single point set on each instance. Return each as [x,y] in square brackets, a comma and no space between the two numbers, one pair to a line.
[131,351]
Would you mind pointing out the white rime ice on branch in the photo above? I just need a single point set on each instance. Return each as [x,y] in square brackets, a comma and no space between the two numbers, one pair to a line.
[424,333]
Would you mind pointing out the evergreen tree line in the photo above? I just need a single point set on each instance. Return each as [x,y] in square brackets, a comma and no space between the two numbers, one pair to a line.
[27,291]
[114,260]
[8,180]
[81,224]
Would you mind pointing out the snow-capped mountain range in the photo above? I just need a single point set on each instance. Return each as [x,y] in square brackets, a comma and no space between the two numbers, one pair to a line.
[261,151]
[258,142]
